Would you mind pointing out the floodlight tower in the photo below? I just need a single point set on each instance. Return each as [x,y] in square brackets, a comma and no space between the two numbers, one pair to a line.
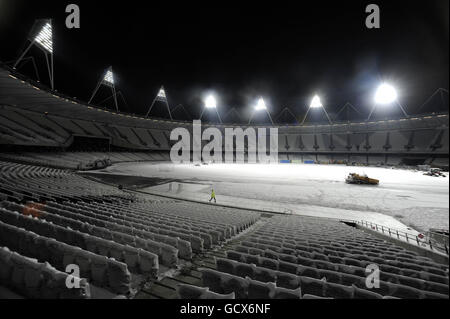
[316,104]
[260,106]
[386,95]
[160,97]
[107,80]
[211,103]
[41,35]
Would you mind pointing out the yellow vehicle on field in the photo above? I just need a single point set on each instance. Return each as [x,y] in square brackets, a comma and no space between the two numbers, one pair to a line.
[354,178]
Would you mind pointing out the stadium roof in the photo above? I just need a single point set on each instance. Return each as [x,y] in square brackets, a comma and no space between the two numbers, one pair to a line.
[17,91]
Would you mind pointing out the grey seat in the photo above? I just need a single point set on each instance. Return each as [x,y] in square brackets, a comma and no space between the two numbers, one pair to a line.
[288,258]
[233,255]
[131,257]
[436,287]
[33,279]
[283,293]
[259,290]
[226,265]
[338,291]
[242,249]
[406,292]
[413,282]
[6,265]
[148,263]
[212,279]
[312,286]
[269,263]
[265,275]
[288,267]
[235,284]
[331,276]
[251,259]
[190,292]
[434,295]
[348,280]
[305,261]
[18,272]
[244,270]
[308,272]
[99,270]
[118,277]
[287,280]
[82,259]
[365,294]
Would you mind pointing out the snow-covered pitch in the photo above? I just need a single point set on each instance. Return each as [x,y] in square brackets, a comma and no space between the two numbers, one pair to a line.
[404,198]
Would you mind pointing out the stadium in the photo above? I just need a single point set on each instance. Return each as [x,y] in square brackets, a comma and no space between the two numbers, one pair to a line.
[93,206]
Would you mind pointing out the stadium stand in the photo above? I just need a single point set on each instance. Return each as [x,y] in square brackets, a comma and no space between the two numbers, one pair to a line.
[124,242]
[303,257]
[58,217]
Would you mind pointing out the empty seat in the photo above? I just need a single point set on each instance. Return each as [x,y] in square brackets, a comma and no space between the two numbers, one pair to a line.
[259,290]
[360,293]
[312,286]
[235,284]
[190,292]
[287,280]
[99,270]
[226,265]
[265,275]
[212,279]
[283,293]
[245,270]
[288,267]
[268,263]
[406,292]
[338,291]
[119,277]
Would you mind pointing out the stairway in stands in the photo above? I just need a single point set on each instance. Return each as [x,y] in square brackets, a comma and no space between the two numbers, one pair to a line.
[166,288]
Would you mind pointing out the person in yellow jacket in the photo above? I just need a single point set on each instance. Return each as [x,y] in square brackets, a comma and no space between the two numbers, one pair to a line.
[213,196]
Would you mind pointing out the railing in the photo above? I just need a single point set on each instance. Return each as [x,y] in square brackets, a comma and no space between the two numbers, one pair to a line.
[421,240]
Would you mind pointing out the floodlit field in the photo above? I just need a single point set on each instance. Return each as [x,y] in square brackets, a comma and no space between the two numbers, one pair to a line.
[403,198]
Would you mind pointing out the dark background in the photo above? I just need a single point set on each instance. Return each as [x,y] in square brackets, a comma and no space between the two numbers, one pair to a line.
[241,50]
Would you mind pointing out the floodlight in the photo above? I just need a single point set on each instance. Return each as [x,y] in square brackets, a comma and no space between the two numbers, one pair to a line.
[261,105]
[162,93]
[210,102]
[160,97]
[316,103]
[385,94]
[109,78]
[45,38]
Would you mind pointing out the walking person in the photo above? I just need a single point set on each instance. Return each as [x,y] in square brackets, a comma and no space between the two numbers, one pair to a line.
[213,196]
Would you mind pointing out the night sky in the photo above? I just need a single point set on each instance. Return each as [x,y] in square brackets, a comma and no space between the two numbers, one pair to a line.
[241,50]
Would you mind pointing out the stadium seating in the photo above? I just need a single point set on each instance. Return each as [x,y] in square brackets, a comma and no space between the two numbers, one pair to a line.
[309,258]
[31,279]
[118,239]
